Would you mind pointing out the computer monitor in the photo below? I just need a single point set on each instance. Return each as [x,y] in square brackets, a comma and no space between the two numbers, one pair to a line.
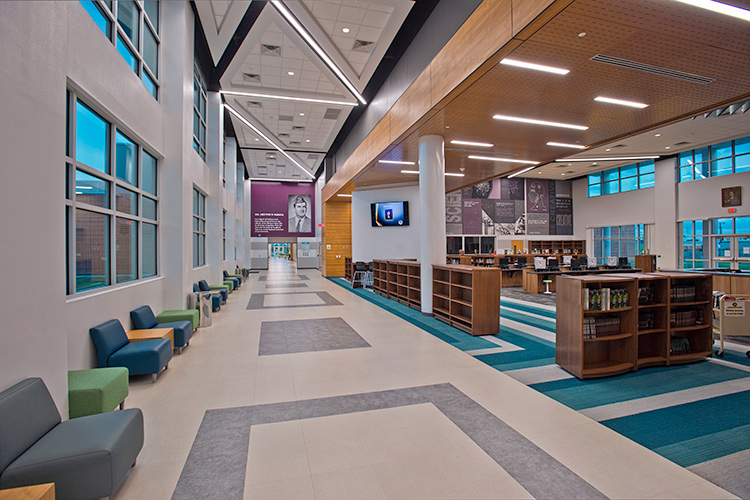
[613,261]
[567,260]
[521,261]
[623,263]
[540,263]
[578,263]
[591,263]
[503,262]
[553,264]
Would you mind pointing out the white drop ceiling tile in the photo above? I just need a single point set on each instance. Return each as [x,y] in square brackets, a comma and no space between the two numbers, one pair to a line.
[220,7]
[308,65]
[270,61]
[328,25]
[310,75]
[368,34]
[324,10]
[343,42]
[381,7]
[271,38]
[358,57]
[293,64]
[376,19]
[273,28]
[293,52]
[310,85]
[273,71]
[271,81]
[351,14]
[326,87]
[358,67]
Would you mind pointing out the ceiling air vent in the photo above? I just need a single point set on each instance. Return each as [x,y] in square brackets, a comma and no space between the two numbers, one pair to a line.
[294,143]
[270,50]
[363,46]
[681,143]
[332,114]
[254,104]
[618,146]
[249,77]
[285,118]
[298,127]
[284,135]
[312,157]
[654,70]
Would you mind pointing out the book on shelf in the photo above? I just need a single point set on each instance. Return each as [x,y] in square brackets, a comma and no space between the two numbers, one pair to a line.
[605,299]
[679,319]
[600,327]
[682,293]
[645,295]
[679,345]
[646,321]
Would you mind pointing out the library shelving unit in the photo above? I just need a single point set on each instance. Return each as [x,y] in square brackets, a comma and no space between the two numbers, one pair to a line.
[690,316]
[467,297]
[398,280]
[563,247]
[348,269]
[653,320]
[594,354]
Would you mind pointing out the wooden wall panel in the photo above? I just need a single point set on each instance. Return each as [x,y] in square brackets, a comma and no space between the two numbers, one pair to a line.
[412,105]
[380,137]
[337,232]
[526,15]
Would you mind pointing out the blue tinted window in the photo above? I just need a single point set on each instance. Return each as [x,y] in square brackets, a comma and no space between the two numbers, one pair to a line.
[629,171]
[152,11]
[699,227]
[721,150]
[629,184]
[721,226]
[742,163]
[646,167]
[92,250]
[126,201]
[686,173]
[92,137]
[127,54]
[595,190]
[98,16]
[742,146]
[742,225]
[646,181]
[611,175]
[148,253]
[91,190]
[721,167]
[685,158]
[126,257]
[148,167]
[149,208]
[700,155]
[700,171]
[150,51]
[595,178]
[611,187]
[127,160]
[150,85]
[687,248]
[127,18]
[687,228]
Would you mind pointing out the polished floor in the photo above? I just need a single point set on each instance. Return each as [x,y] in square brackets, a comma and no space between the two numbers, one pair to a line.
[302,390]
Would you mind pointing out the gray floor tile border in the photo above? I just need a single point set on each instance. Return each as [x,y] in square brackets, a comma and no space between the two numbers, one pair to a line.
[283,277]
[310,335]
[256,300]
[286,285]
[215,467]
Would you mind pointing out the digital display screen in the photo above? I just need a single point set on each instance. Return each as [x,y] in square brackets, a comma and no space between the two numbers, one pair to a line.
[391,213]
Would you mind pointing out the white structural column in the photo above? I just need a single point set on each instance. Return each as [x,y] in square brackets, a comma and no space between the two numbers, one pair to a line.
[431,212]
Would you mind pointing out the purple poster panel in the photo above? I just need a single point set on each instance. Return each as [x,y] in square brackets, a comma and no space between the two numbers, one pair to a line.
[537,196]
[282,209]
[472,216]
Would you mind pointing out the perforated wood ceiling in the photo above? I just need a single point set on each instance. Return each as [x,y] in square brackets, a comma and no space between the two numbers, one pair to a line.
[661,33]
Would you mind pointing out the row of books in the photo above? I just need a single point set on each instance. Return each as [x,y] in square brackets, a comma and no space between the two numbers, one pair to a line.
[646,321]
[645,295]
[600,327]
[682,293]
[718,295]
[686,318]
[604,299]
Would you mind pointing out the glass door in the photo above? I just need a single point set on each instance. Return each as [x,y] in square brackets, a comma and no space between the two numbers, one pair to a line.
[743,253]
[732,252]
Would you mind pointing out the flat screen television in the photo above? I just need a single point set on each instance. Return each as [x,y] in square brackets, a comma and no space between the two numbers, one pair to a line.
[390,213]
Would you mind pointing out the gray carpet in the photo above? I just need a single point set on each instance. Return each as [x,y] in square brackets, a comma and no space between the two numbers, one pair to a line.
[326,334]
[729,472]
[516,292]
[215,467]
[257,300]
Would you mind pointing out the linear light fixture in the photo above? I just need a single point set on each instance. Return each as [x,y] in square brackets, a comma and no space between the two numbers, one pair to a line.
[510,160]
[521,172]
[719,7]
[538,67]
[477,144]
[395,162]
[345,195]
[317,48]
[84,187]
[267,139]
[286,98]
[563,145]
[279,180]
[619,158]
[631,104]
[416,172]
[539,122]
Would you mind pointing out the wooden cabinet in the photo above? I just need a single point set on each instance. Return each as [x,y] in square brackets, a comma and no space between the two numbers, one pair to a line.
[646,263]
[566,247]
[398,280]
[667,320]
[467,298]
[348,269]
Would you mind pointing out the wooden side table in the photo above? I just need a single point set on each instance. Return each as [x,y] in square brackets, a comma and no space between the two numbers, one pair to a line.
[151,333]
[36,492]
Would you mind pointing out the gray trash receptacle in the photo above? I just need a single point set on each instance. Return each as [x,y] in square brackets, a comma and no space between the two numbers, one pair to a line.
[206,309]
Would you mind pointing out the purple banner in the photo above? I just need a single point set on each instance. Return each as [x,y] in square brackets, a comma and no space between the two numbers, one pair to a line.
[537,196]
[282,209]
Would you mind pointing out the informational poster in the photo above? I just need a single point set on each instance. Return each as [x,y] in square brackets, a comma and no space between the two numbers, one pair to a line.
[282,209]
[472,215]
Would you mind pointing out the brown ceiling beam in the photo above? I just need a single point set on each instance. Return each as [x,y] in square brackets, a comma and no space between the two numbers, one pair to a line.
[494,29]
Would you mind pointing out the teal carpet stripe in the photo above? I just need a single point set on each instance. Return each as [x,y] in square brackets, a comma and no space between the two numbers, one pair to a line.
[526,319]
[533,352]
[733,356]
[527,308]
[703,420]
[710,447]
[532,363]
[581,394]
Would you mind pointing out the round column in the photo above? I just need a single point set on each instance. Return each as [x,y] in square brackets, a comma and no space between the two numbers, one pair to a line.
[432,212]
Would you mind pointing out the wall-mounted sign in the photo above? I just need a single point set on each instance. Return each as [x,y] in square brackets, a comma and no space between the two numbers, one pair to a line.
[731,196]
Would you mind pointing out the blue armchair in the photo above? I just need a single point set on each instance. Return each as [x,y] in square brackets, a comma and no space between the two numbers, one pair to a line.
[140,358]
[234,279]
[143,319]
[205,287]
[216,298]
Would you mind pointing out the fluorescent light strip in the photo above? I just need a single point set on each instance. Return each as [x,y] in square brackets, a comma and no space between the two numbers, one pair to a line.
[267,139]
[539,122]
[84,187]
[721,8]
[521,172]
[477,144]
[630,104]
[278,180]
[563,145]
[317,48]
[538,67]
[345,195]
[610,159]
[416,172]
[394,162]
[510,160]
[286,98]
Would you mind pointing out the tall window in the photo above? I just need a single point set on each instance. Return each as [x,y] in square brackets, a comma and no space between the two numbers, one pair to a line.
[136,34]
[224,164]
[618,241]
[199,228]
[722,243]
[111,202]
[621,179]
[199,112]
[224,234]
[712,161]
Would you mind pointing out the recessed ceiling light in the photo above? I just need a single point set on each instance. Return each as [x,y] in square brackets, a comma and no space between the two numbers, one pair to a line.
[667,147]
[345,30]
[560,174]
[608,149]
[302,114]
[257,139]
[452,174]
[307,140]
[394,162]
[721,8]
[657,135]
[345,195]
[618,158]
[582,34]
[631,104]
[538,67]
[477,144]
[521,172]
[539,122]
[447,126]
[290,73]
[509,160]
[286,98]
[563,145]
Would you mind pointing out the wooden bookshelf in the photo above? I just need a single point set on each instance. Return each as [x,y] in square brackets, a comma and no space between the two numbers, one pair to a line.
[348,269]
[646,263]
[562,247]
[467,297]
[399,280]
[648,342]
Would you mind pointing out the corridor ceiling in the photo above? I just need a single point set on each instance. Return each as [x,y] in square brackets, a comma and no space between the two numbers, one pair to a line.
[691,66]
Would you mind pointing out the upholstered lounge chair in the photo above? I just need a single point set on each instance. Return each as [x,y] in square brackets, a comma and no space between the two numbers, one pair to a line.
[143,319]
[86,457]
[216,297]
[140,358]
[236,277]
[205,287]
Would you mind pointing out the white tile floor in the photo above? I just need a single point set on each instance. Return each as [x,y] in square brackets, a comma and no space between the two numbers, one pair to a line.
[405,452]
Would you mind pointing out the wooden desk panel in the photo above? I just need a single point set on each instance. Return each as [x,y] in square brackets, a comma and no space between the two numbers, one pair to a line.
[35,492]
[150,334]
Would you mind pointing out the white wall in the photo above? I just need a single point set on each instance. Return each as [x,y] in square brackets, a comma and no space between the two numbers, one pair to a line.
[369,242]
[702,199]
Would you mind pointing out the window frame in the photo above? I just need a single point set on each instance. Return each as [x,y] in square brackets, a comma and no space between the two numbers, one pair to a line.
[199,111]
[607,238]
[610,181]
[199,229]
[686,161]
